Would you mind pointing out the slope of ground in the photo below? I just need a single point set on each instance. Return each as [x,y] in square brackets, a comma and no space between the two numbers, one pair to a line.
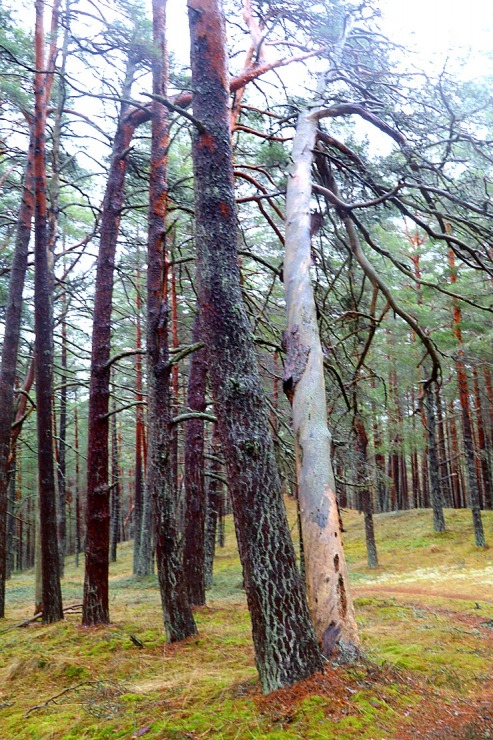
[426,621]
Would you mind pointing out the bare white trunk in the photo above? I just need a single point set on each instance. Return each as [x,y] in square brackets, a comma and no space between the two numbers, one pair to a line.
[327,581]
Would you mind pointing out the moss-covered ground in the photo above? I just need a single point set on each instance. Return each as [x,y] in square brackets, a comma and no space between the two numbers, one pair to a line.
[426,622]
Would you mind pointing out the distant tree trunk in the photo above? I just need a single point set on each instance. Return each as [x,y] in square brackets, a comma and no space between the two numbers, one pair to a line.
[62,445]
[327,577]
[398,469]
[456,471]
[143,524]
[139,490]
[11,528]
[467,432]
[364,493]
[177,614]
[214,507]
[9,352]
[95,608]
[175,394]
[38,580]
[195,503]
[30,533]
[482,447]
[115,490]
[285,645]
[435,484]
[444,463]
[77,538]
[382,489]
[13,318]
[43,322]
[23,522]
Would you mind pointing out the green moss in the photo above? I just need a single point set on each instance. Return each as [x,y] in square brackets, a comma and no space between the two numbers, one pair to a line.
[208,685]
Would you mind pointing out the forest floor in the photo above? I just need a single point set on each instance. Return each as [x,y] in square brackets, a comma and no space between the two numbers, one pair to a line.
[426,624]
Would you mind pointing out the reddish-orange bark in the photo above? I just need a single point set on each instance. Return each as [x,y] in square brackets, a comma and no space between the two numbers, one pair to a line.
[43,324]
[177,614]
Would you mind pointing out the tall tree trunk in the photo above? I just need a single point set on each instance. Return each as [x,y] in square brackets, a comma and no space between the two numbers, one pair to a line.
[177,614]
[327,577]
[139,537]
[11,522]
[9,352]
[143,524]
[214,506]
[435,483]
[43,323]
[175,394]
[366,503]
[285,645]
[467,432]
[23,521]
[457,478]
[115,490]
[485,469]
[62,445]
[77,506]
[444,467]
[381,486]
[95,609]
[195,504]
[13,317]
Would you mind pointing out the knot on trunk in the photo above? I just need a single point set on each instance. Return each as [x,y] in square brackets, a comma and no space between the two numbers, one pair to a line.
[296,361]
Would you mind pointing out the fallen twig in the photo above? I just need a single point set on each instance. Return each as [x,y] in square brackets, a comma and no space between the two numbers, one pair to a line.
[73,608]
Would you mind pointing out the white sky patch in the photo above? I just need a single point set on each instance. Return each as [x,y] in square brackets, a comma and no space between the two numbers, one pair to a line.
[444,29]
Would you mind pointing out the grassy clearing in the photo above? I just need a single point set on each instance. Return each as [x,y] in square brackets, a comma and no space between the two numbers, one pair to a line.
[424,617]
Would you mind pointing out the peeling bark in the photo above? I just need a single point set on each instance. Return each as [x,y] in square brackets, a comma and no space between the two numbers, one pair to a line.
[327,577]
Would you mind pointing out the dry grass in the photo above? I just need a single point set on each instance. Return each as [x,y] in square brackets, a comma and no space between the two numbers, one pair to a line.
[427,644]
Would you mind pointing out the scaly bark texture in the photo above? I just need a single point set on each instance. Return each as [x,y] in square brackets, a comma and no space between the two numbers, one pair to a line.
[95,609]
[286,649]
[195,500]
[327,580]
[43,324]
[177,614]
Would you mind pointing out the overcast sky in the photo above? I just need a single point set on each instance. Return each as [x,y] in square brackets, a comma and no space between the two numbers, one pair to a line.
[436,27]
[433,27]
